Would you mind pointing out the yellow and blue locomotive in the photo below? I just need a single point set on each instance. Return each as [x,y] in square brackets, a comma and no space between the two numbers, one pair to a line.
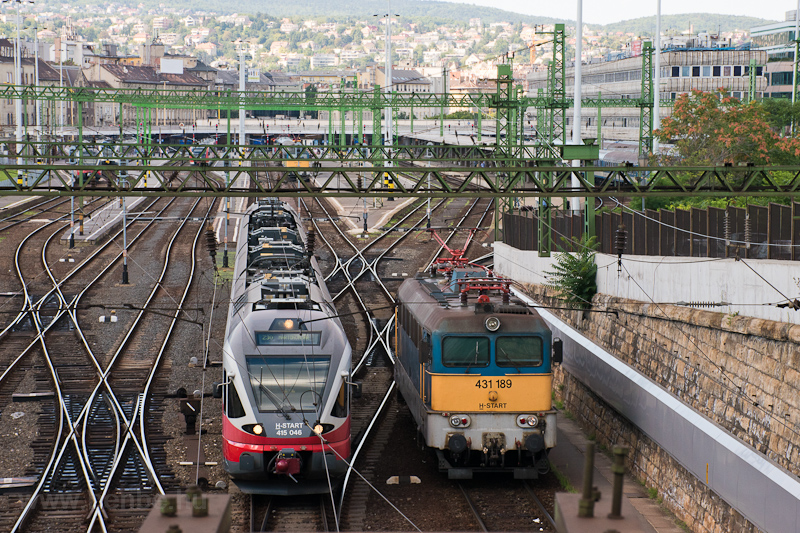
[475,368]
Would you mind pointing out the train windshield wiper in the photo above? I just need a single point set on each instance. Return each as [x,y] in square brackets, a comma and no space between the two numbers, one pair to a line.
[274,399]
[475,362]
[519,370]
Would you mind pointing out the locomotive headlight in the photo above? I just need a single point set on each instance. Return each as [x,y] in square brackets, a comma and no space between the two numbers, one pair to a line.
[318,429]
[288,324]
[527,421]
[460,421]
[492,323]
[258,429]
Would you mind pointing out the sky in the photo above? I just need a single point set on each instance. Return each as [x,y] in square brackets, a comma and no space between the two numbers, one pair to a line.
[607,11]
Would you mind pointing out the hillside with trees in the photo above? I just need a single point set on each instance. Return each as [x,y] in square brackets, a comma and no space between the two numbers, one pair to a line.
[698,22]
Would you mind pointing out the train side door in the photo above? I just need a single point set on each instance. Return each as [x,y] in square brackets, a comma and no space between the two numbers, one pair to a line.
[425,358]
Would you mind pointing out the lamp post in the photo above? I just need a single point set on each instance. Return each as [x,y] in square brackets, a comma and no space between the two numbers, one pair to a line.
[387,89]
[643,162]
[123,175]
[18,82]
[37,107]
[657,77]
[576,119]
[240,48]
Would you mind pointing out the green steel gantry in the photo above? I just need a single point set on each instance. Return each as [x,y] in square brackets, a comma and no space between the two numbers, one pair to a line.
[514,166]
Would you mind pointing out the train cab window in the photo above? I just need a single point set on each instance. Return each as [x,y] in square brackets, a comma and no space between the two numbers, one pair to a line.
[519,351]
[340,406]
[233,404]
[288,383]
[465,351]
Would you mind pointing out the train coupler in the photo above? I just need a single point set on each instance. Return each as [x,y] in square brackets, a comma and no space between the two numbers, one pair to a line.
[288,463]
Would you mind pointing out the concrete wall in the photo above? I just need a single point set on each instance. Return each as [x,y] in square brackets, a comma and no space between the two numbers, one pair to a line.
[676,279]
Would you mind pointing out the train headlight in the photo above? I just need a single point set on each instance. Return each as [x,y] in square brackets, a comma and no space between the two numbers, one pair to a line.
[527,421]
[318,429]
[254,429]
[460,421]
[492,323]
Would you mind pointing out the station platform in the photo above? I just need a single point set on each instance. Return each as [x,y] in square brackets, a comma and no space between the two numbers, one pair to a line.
[10,205]
[99,223]
[568,457]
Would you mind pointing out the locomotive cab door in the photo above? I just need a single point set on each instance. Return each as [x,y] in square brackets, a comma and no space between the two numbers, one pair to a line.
[425,349]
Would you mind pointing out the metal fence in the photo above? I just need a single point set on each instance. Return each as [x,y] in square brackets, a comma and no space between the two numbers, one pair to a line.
[757,232]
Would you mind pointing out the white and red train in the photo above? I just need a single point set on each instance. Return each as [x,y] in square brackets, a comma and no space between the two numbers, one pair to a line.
[286,360]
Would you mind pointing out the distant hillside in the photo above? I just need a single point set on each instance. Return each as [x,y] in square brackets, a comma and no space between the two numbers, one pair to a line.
[415,10]
[339,10]
[712,23]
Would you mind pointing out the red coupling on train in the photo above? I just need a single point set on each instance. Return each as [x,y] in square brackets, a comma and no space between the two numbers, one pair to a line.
[288,462]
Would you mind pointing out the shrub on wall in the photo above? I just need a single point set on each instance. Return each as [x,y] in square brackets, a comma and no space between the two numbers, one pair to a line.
[574,275]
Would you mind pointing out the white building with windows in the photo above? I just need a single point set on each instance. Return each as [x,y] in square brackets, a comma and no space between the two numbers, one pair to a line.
[777,40]
[683,70]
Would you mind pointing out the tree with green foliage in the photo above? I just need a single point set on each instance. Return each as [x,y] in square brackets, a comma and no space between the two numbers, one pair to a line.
[574,275]
[714,129]
[780,113]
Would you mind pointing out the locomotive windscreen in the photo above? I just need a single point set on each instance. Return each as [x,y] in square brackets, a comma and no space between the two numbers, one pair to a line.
[465,351]
[288,383]
[519,351]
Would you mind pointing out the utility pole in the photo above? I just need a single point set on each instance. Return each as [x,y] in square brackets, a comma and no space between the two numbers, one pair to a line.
[578,95]
[38,124]
[18,101]
[657,77]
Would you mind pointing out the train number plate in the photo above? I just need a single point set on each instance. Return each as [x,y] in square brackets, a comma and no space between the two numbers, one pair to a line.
[492,383]
[287,429]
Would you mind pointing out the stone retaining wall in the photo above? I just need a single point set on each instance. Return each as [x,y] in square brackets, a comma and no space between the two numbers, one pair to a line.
[742,373]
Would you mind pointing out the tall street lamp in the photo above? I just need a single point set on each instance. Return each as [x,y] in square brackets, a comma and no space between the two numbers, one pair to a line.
[123,182]
[18,83]
[38,110]
[387,89]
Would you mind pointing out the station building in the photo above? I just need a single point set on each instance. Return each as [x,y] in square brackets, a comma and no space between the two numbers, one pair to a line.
[777,41]
[700,63]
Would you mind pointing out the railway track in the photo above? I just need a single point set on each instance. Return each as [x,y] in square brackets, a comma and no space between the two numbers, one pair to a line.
[371,425]
[299,513]
[497,505]
[88,439]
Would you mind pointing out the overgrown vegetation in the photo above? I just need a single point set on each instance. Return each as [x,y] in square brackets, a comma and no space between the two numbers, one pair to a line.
[574,275]
[715,129]
[562,479]
[465,115]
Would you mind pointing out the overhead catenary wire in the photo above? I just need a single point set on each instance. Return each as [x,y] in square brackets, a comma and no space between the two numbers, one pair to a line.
[738,389]
[694,233]
[733,388]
